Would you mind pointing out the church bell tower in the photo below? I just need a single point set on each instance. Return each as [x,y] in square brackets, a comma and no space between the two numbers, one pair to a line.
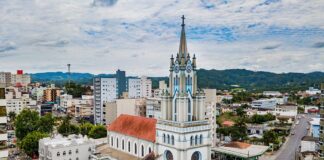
[182,133]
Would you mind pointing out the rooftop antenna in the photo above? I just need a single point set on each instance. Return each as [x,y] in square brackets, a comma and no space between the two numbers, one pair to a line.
[69,73]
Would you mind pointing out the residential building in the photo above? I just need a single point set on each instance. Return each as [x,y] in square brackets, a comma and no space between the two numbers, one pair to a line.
[308,144]
[153,108]
[321,141]
[121,81]
[313,91]
[51,94]
[46,108]
[105,90]
[182,131]
[110,112]
[66,100]
[272,93]
[38,93]
[264,104]
[289,110]
[73,147]
[315,127]
[17,105]
[5,78]
[136,107]
[20,79]
[139,87]
[220,98]
[210,113]
[3,125]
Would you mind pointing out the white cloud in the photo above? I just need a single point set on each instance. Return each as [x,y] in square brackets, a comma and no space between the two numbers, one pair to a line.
[139,36]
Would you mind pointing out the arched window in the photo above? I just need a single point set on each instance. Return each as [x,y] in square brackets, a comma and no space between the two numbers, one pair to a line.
[76,151]
[191,140]
[201,139]
[112,141]
[70,152]
[168,139]
[163,138]
[117,145]
[123,145]
[196,140]
[89,149]
[142,150]
[135,148]
[58,154]
[129,146]
[64,153]
[172,140]
[150,150]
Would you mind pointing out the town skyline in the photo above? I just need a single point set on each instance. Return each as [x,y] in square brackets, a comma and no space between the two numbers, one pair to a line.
[103,35]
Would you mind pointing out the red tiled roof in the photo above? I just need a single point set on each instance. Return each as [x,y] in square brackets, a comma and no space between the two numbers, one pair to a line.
[236,144]
[228,123]
[139,127]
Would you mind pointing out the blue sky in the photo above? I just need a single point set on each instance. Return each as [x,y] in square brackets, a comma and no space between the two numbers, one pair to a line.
[100,36]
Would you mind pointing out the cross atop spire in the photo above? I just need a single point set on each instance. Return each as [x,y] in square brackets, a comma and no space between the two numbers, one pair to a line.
[183,44]
[183,18]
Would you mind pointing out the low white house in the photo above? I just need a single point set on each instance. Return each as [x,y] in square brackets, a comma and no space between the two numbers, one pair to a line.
[308,144]
[74,147]
[264,104]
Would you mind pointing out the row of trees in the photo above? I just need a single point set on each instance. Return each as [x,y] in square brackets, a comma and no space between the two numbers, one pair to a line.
[30,128]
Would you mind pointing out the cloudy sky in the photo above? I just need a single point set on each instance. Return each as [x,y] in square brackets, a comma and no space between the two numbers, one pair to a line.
[100,36]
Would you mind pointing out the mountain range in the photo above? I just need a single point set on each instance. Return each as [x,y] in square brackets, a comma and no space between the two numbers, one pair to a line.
[220,79]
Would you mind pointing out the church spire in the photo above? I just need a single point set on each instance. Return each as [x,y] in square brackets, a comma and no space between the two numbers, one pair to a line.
[183,43]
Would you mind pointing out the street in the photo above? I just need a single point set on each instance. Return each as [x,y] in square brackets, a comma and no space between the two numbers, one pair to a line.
[288,150]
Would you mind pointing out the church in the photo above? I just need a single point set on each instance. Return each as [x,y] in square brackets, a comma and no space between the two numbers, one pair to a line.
[182,133]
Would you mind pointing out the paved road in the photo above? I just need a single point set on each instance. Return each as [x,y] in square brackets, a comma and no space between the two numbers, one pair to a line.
[289,149]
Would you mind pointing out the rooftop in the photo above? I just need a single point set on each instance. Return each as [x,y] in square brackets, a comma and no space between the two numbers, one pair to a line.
[59,141]
[135,126]
[309,138]
[240,149]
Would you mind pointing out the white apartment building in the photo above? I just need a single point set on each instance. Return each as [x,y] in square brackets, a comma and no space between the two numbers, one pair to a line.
[66,100]
[264,104]
[105,90]
[73,147]
[313,91]
[153,108]
[20,79]
[38,93]
[17,105]
[210,113]
[139,87]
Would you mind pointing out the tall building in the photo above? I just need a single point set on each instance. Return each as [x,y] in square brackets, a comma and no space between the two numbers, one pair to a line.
[3,126]
[121,80]
[20,79]
[5,78]
[183,132]
[105,90]
[321,141]
[139,87]
[51,94]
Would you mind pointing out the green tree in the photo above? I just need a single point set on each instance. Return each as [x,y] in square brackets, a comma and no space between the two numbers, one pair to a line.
[12,116]
[98,131]
[30,143]
[239,130]
[26,122]
[270,137]
[85,128]
[66,128]
[240,112]
[46,123]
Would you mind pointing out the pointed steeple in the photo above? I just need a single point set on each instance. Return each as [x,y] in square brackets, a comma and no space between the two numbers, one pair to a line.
[183,43]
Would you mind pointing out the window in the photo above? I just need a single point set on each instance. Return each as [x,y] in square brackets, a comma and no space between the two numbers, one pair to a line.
[64,153]
[76,151]
[70,152]
[163,138]
[89,149]
[58,154]
[117,145]
[172,140]
[123,145]
[129,149]
[135,148]
[150,150]
[112,141]
[168,139]
[191,140]
[201,139]
[77,158]
[142,150]
[196,140]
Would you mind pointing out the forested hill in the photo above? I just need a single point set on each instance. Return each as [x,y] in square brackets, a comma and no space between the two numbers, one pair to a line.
[220,79]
